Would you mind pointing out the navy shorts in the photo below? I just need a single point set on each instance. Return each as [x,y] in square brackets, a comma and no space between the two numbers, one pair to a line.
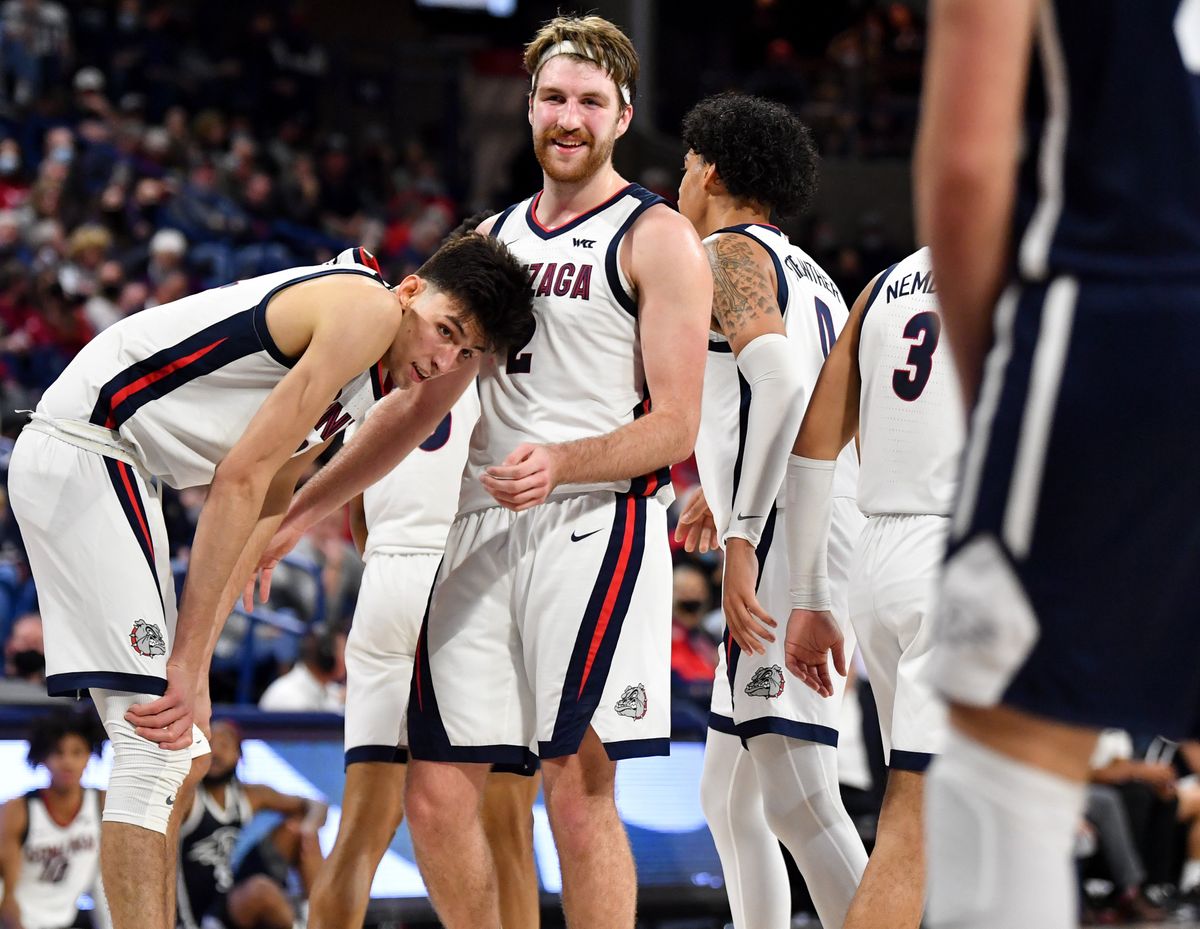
[1072,588]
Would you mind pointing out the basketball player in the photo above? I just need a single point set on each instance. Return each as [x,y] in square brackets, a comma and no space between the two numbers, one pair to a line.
[889,380]
[212,893]
[400,526]
[566,479]
[775,314]
[50,838]
[219,389]
[1057,149]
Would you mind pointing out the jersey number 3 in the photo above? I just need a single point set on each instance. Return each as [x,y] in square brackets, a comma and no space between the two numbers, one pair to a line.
[923,330]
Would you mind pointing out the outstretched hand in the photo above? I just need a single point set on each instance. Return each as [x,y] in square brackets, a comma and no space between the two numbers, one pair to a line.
[284,540]
[812,636]
[524,479]
[697,529]
[748,622]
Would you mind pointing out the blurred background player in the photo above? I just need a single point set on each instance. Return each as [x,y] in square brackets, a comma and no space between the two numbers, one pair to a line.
[886,381]
[236,389]
[1069,595]
[770,760]
[50,838]
[216,893]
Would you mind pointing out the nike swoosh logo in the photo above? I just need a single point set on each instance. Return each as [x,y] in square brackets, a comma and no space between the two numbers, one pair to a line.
[170,801]
[580,538]
[743,516]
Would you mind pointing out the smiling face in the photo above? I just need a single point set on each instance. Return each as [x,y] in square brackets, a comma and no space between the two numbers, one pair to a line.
[436,335]
[576,117]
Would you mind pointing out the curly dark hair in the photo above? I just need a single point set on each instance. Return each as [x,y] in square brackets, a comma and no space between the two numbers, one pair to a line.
[486,279]
[47,731]
[762,150]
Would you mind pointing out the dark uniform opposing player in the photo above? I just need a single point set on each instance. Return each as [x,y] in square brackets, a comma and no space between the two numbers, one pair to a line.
[1070,589]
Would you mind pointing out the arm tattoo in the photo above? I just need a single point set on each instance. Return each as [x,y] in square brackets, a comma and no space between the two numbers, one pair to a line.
[742,293]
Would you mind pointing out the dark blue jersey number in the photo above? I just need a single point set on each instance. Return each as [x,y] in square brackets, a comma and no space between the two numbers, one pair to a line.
[440,436]
[923,330]
[825,326]
[520,362]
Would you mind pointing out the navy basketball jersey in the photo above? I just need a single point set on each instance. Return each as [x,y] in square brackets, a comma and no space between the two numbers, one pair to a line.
[1109,182]
[206,842]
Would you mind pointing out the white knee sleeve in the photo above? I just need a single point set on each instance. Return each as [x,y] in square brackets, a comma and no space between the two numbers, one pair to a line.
[755,874]
[804,808]
[999,835]
[144,778]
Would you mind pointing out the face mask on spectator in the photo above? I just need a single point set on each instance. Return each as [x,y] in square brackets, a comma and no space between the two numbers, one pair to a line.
[9,163]
[62,154]
[29,662]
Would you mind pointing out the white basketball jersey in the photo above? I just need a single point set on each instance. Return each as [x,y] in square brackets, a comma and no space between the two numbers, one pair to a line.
[58,862]
[581,374]
[180,382]
[813,313]
[910,413]
[410,510]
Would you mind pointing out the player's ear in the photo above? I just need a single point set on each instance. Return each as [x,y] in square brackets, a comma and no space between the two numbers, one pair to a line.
[623,119]
[529,112]
[410,287]
[710,179]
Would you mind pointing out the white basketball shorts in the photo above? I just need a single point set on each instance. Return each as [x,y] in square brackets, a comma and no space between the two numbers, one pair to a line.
[893,583]
[94,533]
[379,653]
[756,694]
[543,623]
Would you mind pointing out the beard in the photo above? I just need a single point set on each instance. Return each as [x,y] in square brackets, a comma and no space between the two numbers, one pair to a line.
[598,154]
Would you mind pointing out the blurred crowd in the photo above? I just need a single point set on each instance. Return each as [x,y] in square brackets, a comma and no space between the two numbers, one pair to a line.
[144,158]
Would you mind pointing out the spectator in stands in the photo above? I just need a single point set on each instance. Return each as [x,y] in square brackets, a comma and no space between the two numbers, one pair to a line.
[25,652]
[36,47]
[693,653]
[316,683]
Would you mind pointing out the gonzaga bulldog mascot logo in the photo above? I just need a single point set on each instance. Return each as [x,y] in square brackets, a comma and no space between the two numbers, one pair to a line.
[767,682]
[146,639]
[632,702]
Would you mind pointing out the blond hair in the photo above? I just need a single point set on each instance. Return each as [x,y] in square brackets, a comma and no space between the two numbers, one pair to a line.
[590,38]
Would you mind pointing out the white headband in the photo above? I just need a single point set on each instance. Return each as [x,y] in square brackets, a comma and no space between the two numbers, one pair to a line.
[570,48]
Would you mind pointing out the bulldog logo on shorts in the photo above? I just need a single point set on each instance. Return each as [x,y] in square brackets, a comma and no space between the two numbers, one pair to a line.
[632,702]
[767,682]
[146,639]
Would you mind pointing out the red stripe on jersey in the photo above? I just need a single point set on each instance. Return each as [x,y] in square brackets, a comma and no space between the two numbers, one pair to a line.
[369,260]
[133,499]
[596,209]
[610,598]
[146,380]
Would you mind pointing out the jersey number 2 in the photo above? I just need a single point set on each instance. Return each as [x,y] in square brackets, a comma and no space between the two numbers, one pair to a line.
[923,330]
[519,362]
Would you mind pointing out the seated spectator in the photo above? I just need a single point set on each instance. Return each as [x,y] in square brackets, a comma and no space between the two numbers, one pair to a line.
[1147,795]
[216,891]
[316,682]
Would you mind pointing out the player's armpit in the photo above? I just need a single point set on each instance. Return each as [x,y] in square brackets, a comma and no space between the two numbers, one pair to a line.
[745,302]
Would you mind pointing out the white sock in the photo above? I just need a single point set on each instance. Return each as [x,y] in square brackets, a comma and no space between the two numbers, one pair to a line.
[804,809]
[1190,879]
[755,874]
[999,837]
